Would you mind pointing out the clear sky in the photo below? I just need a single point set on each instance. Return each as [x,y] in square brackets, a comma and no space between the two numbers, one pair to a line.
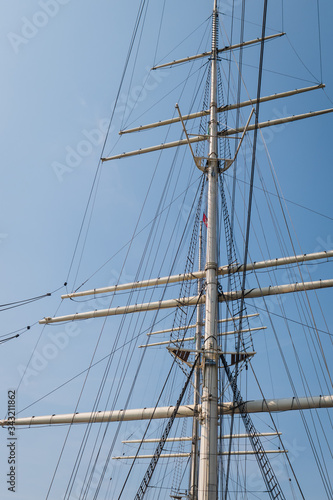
[62,62]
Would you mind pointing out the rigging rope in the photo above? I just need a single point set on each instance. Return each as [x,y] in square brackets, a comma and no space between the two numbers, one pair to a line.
[173,415]
[319,43]
[133,70]
[159,32]
[110,451]
[262,45]
[146,480]
[271,481]
[277,195]
[131,45]
[18,303]
[128,358]
[254,145]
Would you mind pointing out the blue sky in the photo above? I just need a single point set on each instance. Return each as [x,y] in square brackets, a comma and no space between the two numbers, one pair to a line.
[61,67]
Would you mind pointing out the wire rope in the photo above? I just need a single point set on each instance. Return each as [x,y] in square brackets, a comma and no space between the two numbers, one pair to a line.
[137,23]
[23,302]
[174,260]
[72,477]
[131,45]
[277,195]
[319,43]
[133,69]
[74,472]
[157,313]
[148,259]
[249,210]
[185,81]
[149,422]
[301,60]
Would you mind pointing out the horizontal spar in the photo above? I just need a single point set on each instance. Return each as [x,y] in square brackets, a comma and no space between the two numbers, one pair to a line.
[222,271]
[189,339]
[222,133]
[187,455]
[278,121]
[151,149]
[191,301]
[190,438]
[177,278]
[115,311]
[224,49]
[276,290]
[186,327]
[222,109]
[254,406]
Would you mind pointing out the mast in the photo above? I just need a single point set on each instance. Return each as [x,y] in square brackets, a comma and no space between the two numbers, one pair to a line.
[205,412]
[207,488]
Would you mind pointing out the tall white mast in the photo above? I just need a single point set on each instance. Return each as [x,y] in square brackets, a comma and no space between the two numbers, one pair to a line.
[207,488]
